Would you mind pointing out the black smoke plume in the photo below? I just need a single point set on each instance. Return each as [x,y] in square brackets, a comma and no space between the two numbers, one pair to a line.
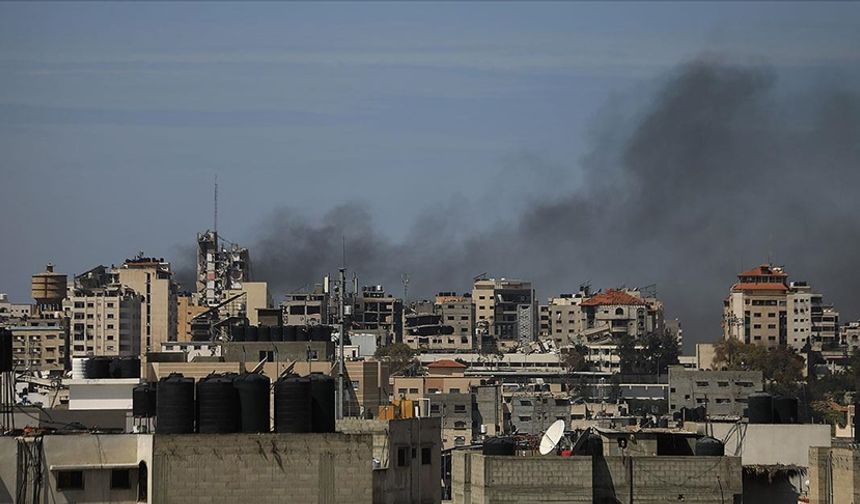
[719,172]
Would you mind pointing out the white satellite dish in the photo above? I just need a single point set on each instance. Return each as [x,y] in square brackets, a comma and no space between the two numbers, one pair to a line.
[551,437]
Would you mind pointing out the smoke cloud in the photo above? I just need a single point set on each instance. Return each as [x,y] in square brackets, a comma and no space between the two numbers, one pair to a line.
[717,173]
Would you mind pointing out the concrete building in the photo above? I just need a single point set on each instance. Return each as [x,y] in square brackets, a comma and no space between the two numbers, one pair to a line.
[254,297]
[834,474]
[39,344]
[481,479]
[104,321]
[455,411]
[509,309]
[369,380]
[13,310]
[849,335]
[302,308]
[763,308]
[375,309]
[534,412]
[584,318]
[459,313]
[186,311]
[152,278]
[722,393]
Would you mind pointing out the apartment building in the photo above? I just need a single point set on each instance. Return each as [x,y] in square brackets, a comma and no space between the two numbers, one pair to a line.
[39,344]
[459,313]
[376,309]
[509,310]
[444,324]
[764,308]
[153,279]
[301,308]
[104,322]
[722,393]
[9,310]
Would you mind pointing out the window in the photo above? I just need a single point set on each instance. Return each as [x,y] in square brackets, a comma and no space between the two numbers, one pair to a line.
[525,402]
[403,456]
[434,408]
[120,479]
[459,408]
[454,391]
[413,390]
[722,384]
[70,480]
[459,425]
[701,384]
[426,458]
[525,419]
[459,440]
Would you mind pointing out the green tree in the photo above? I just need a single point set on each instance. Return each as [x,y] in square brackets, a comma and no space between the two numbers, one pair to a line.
[573,359]
[781,367]
[399,355]
[660,350]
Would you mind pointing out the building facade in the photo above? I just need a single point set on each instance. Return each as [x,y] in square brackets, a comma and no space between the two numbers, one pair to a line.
[152,278]
[509,310]
[104,322]
[722,393]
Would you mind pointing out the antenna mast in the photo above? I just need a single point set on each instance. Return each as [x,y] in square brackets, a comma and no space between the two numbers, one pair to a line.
[215,215]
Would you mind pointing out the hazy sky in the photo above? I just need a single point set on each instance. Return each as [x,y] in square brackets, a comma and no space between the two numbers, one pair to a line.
[115,117]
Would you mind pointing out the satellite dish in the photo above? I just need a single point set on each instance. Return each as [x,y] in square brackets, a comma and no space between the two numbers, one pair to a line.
[551,437]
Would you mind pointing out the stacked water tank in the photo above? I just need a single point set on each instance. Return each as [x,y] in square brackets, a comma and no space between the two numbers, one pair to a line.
[144,400]
[175,406]
[253,392]
[709,447]
[217,405]
[763,408]
[100,368]
[503,446]
[305,404]
[281,333]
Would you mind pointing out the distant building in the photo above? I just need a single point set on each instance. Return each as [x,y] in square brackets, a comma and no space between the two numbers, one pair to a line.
[442,325]
[459,313]
[303,308]
[13,310]
[104,321]
[152,278]
[534,412]
[763,308]
[186,311]
[375,309]
[722,393]
[849,335]
[508,308]
[39,344]
[584,317]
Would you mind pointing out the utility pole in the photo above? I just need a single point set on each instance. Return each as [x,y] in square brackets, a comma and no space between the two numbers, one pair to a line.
[340,340]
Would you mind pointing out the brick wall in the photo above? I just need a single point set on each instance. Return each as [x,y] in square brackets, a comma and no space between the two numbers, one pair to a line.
[262,468]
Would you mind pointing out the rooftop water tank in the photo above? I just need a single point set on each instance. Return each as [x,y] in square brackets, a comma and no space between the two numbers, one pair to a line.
[322,403]
[785,410]
[253,390]
[293,405]
[709,447]
[217,405]
[760,408]
[503,446]
[175,405]
[97,368]
[289,333]
[264,333]
[144,400]
[237,333]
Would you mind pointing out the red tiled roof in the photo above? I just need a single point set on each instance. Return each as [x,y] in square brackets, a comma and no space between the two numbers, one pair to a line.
[613,297]
[446,363]
[763,270]
[759,286]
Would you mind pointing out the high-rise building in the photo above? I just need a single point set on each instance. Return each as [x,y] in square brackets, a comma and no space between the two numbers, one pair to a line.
[509,310]
[153,279]
[763,308]
[104,322]
[459,313]
[219,268]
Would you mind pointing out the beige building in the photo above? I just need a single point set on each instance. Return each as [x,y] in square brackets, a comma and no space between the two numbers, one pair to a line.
[104,322]
[152,278]
[186,310]
[459,313]
[763,308]
[509,310]
[38,344]
[303,308]
[585,318]
[376,309]
[446,324]
[255,295]
[13,310]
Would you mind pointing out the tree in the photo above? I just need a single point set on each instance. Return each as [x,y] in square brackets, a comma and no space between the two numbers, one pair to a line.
[399,355]
[573,359]
[781,367]
[659,351]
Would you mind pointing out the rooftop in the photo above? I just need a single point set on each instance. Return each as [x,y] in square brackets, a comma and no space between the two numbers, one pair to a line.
[613,297]
[446,364]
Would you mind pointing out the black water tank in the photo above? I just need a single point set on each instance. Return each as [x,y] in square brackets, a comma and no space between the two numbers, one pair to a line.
[321,333]
[591,445]
[709,447]
[97,368]
[144,400]
[760,408]
[293,405]
[126,367]
[276,333]
[322,403]
[175,405]
[785,410]
[302,333]
[251,333]
[289,333]
[5,350]
[253,390]
[237,333]
[217,405]
[503,446]
[264,333]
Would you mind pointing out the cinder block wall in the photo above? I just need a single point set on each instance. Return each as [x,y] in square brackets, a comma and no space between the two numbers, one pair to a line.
[262,468]
[834,471]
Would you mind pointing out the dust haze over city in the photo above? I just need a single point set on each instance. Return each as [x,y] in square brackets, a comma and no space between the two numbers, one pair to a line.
[427,252]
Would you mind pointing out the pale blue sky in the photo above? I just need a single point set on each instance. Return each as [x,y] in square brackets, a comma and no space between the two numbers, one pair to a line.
[115,117]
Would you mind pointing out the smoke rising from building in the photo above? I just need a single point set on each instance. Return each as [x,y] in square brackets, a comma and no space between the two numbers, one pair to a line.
[718,173]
